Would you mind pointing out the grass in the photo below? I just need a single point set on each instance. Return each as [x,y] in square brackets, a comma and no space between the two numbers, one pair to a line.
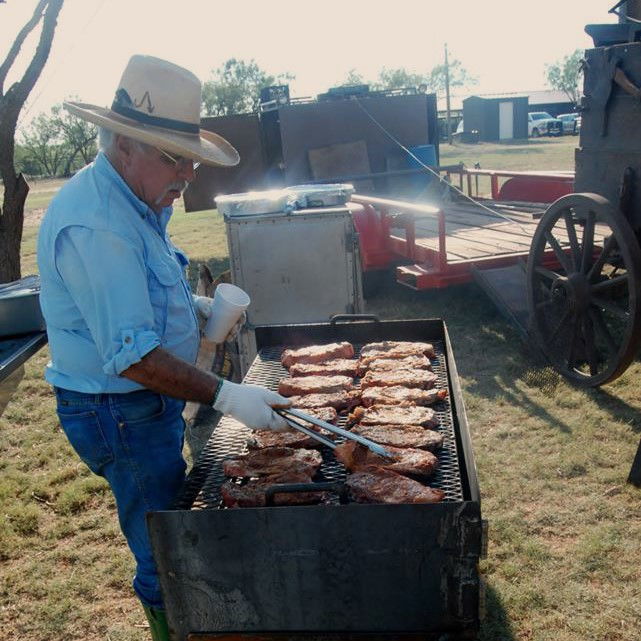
[563,564]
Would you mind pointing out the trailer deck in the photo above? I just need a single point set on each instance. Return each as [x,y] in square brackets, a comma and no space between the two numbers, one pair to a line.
[448,243]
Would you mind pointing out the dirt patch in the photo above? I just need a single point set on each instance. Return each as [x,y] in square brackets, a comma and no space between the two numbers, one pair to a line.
[33,217]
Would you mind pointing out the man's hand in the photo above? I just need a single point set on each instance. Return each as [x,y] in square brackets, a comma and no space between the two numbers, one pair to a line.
[202,305]
[252,405]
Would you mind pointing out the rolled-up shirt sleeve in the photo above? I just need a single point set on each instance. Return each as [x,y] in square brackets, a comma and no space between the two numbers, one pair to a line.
[106,276]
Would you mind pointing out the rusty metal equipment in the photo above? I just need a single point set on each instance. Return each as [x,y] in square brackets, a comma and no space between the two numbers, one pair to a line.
[586,312]
[334,568]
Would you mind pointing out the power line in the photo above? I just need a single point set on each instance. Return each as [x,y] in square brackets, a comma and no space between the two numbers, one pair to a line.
[435,173]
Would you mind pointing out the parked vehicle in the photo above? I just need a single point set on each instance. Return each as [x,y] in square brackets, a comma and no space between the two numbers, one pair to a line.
[571,123]
[540,123]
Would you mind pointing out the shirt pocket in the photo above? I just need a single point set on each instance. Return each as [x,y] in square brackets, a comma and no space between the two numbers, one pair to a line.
[164,277]
[85,433]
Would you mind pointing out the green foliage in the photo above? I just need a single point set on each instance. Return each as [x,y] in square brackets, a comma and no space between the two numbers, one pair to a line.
[235,87]
[57,143]
[565,75]
[433,80]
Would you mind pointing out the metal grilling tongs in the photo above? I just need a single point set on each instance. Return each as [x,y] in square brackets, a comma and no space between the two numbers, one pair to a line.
[290,415]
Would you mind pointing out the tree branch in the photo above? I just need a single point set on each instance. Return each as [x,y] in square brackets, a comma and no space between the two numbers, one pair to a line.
[17,43]
[23,88]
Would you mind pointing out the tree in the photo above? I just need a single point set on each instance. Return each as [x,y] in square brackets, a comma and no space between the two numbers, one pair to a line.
[433,80]
[78,137]
[565,75]
[235,87]
[43,145]
[11,103]
[353,78]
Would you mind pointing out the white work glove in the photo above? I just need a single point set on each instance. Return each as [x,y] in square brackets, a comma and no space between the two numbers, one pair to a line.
[252,405]
[202,304]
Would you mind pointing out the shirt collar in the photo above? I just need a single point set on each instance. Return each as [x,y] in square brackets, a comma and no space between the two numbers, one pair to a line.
[104,166]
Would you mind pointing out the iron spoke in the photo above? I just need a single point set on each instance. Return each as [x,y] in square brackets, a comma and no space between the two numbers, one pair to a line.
[574,243]
[595,270]
[588,242]
[561,256]
[590,346]
[603,330]
[610,307]
[559,325]
[547,273]
[572,342]
[604,286]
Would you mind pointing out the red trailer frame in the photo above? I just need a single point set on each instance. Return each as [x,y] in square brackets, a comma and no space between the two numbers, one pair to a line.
[447,243]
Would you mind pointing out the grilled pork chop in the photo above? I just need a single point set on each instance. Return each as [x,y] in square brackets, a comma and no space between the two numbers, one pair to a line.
[273,460]
[261,439]
[252,493]
[377,485]
[387,364]
[391,415]
[406,460]
[314,385]
[398,395]
[396,349]
[338,400]
[337,367]
[317,353]
[400,436]
[404,377]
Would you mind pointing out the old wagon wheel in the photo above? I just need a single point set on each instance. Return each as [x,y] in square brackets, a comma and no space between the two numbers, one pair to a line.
[584,289]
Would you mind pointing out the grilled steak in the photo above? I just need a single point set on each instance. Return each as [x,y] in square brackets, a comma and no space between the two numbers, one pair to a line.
[252,493]
[403,377]
[338,367]
[261,439]
[398,395]
[406,460]
[387,364]
[317,353]
[401,436]
[314,385]
[339,400]
[377,485]
[396,349]
[391,415]
[274,460]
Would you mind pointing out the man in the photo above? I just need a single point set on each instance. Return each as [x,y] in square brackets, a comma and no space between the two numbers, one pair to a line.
[121,321]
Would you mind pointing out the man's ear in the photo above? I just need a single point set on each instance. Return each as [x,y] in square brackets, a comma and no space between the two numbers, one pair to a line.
[125,148]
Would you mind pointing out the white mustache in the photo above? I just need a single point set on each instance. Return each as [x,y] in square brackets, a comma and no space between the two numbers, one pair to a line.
[178,185]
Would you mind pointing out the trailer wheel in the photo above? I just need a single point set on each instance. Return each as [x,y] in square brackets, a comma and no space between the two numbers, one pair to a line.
[585,306]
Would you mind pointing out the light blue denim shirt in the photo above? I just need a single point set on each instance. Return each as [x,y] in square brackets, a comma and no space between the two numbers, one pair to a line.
[113,284]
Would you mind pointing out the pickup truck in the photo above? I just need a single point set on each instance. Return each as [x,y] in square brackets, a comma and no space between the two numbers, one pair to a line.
[540,123]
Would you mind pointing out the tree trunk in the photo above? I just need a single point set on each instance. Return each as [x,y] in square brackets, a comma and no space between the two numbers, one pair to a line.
[11,102]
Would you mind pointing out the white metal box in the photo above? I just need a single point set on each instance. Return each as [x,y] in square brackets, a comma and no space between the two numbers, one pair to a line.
[297,267]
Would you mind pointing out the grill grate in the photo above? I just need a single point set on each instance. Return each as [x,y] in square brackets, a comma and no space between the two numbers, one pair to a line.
[202,490]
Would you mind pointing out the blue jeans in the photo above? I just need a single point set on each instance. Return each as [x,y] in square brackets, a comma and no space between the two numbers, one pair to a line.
[135,442]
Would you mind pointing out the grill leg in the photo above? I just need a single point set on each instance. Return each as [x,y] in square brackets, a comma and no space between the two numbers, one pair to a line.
[635,471]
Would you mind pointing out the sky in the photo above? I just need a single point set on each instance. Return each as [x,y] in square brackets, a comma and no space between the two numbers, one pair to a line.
[505,44]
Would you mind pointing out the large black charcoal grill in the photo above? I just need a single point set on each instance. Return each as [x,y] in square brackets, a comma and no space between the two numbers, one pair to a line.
[332,567]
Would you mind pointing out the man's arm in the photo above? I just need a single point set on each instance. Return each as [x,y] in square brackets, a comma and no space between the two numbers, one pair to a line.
[164,373]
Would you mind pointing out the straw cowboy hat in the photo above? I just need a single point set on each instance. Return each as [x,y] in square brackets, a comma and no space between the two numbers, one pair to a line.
[158,103]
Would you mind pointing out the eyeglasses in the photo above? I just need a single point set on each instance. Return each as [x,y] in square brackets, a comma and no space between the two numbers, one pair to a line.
[178,162]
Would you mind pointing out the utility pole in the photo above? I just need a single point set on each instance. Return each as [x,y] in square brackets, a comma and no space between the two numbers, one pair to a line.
[447,98]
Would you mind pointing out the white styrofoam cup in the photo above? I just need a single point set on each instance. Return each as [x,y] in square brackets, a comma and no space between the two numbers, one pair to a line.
[228,306]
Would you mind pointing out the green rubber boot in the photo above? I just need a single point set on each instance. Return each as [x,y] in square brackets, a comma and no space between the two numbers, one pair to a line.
[157,623]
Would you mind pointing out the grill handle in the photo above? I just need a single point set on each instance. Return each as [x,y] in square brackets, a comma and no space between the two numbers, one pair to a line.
[338,488]
[353,318]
